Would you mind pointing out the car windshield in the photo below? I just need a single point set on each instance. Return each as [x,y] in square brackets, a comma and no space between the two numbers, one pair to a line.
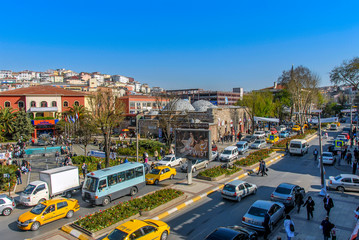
[117,235]
[155,171]
[29,189]
[338,177]
[255,211]
[295,145]
[229,188]
[38,209]
[327,155]
[258,133]
[240,145]
[166,159]
[333,125]
[227,152]
[283,190]
[90,184]
[258,142]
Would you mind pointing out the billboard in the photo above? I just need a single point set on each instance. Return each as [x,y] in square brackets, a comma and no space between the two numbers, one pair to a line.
[193,143]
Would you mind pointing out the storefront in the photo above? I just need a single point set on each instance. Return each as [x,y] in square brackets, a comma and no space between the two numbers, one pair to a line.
[44,127]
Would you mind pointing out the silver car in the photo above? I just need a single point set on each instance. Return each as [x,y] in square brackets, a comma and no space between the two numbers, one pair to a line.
[237,189]
[258,144]
[7,205]
[344,182]
[254,217]
[328,158]
[285,193]
[196,164]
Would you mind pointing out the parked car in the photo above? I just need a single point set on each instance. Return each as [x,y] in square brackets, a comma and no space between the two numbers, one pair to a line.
[344,182]
[229,154]
[47,212]
[237,189]
[298,146]
[170,160]
[281,128]
[285,193]
[7,205]
[160,173]
[254,217]
[196,164]
[259,134]
[272,139]
[140,229]
[284,134]
[341,137]
[333,127]
[331,149]
[345,134]
[232,233]
[249,138]
[296,128]
[273,131]
[258,144]
[328,158]
[214,156]
[242,147]
[347,129]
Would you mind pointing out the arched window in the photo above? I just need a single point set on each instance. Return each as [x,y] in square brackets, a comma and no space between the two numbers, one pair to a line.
[76,103]
[33,104]
[7,104]
[21,104]
[43,104]
[66,104]
[54,104]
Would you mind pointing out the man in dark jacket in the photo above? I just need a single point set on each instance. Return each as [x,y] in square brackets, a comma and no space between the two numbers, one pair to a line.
[99,165]
[310,207]
[298,198]
[326,227]
[328,204]
[266,225]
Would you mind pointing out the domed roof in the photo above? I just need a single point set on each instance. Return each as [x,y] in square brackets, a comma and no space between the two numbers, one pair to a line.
[179,105]
[202,105]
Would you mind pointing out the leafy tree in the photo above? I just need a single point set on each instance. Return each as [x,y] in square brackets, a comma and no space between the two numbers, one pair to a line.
[331,109]
[7,117]
[86,129]
[346,73]
[282,100]
[22,126]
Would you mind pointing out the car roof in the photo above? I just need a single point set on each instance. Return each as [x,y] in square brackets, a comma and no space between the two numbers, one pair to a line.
[131,225]
[287,185]
[263,204]
[54,201]
[328,153]
[223,233]
[230,148]
[162,167]
[236,182]
[171,155]
[348,176]
[115,169]
[3,196]
[241,142]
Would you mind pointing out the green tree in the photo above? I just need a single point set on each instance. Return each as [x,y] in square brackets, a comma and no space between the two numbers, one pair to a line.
[346,73]
[7,117]
[282,102]
[22,126]
[86,130]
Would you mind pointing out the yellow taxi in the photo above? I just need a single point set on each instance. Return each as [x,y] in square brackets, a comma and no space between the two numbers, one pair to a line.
[272,138]
[47,212]
[160,173]
[337,123]
[138,229]
[296,128]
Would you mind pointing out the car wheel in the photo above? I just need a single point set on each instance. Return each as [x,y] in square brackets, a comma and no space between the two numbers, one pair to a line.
[133,191]
[70,214]
[172,176]
[6,211]
[35,226]
[341,189]
[156,182]
[239,198]
[106,201]
[194,170]
[164,235]
[255,191]
[41,200]
[68,195]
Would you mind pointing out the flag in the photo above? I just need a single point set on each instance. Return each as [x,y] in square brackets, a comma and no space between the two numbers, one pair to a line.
[73,119]
[68,119]
[65,119]
[77,116]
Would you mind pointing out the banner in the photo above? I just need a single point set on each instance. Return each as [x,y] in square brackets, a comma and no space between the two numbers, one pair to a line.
[323,120]
[100,154]
[193,143]
[256,119]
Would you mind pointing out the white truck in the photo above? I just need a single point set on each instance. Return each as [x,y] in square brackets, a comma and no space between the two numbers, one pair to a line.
[53,182]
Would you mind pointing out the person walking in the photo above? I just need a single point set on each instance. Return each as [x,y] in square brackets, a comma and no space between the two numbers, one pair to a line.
[327,227]
[57,157]
[354,166]
[84,169]
[260,167]
[99,165]
[328,204]
[266,225]
[298,199]
[126,160]
[310,207]
[18,176]
[264,168]
[155,154]
[349,158]
[289,227]
[315,153]
[287,147]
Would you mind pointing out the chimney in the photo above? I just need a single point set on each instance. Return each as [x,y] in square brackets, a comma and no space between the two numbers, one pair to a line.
[275,85]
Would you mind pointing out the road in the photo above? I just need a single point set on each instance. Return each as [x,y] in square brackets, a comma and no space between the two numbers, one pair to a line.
[201,218]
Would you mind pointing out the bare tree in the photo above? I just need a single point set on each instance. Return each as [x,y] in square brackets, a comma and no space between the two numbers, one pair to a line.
[86,130]
[346,73]
[107,113]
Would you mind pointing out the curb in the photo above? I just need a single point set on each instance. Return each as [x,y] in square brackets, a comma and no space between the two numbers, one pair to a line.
[195,199]
[75,233]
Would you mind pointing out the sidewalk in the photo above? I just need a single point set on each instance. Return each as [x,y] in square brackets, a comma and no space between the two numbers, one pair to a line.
[342,216]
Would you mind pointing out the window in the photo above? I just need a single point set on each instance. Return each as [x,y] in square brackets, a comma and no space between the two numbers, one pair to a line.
[247,185]
[7,104]
[241,187]
[21,104]
[148,229]
[137,234]
[54,104]
[139,172]
[33,104]
[50,209]
[355,180]
[61,205]
[76,103]
[130,174]
[43,104]
[121,177]
[348,180]
[2,201]
[40,188]
[149,104]
[112,179]
[144,104]
[132,104]
[66,104]
[102,184]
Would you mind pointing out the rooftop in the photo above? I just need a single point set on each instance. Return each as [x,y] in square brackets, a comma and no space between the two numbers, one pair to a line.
[42,90]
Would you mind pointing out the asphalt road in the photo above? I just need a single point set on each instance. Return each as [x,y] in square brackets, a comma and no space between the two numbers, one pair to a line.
[201,218]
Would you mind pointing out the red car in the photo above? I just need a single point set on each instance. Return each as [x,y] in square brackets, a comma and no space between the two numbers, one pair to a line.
[273,131]
[346,134]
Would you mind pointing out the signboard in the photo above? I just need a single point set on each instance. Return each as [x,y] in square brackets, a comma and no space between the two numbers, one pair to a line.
[323,120]
[100,154]
[271,137]
[193,143]
[44,122]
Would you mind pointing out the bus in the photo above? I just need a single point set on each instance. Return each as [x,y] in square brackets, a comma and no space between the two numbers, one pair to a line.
[103,186]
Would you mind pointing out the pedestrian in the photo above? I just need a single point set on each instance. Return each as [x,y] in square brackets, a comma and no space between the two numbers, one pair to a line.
[310,207]
[287,147]
[84,169]
[239,136]
[162,152]
[18,176]
[57,157]
[327,227]
[298,199]
[328,204]
[264,168]
[126,160]
[315,153]
[260,167]
[155,154]
[342,155]
[289,227]
[354,166]
[99,165]
[349,158]
[266,224]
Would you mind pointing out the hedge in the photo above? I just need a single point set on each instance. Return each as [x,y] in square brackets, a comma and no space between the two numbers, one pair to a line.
[4,182]
[148,146]
[283,142]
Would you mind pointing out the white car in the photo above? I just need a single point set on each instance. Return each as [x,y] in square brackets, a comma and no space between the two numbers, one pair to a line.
[238,189]
[344,182]
[328,158]
[341,137]
[170,160]
[259,134]
[281,128]
[229,154]
[333,127]
[258,144]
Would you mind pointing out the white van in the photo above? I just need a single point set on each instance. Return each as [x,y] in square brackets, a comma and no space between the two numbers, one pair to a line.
[229,154]
[298,146]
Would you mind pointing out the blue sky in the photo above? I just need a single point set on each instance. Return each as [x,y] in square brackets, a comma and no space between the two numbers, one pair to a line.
[213,45]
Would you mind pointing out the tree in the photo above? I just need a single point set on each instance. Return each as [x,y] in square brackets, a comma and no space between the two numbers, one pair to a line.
[22,126]
[282,101]
[85,130]
[7,117]
[107,113]
[346,73]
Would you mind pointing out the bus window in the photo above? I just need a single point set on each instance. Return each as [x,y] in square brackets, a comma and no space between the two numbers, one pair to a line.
[139,172]
[102,184]
[121,177]
[112,179]
[130,174]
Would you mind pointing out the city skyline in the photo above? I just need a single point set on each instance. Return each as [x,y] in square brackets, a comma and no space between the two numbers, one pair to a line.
[181,45]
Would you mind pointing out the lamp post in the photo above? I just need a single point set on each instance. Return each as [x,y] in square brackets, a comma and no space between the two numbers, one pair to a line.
[138,116]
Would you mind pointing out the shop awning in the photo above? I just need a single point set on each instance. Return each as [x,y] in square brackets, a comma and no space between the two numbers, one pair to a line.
[43,109]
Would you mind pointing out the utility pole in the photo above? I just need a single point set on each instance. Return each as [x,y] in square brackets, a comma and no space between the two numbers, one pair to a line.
[138,116]
[323,190]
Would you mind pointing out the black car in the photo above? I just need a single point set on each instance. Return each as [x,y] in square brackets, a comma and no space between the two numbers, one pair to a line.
[249,138]
[331,149]
[232,233]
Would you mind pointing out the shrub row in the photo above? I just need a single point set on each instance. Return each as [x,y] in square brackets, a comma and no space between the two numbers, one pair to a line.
[284,142]
[4,182]
[92,162]
[218,171]
[149,146]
